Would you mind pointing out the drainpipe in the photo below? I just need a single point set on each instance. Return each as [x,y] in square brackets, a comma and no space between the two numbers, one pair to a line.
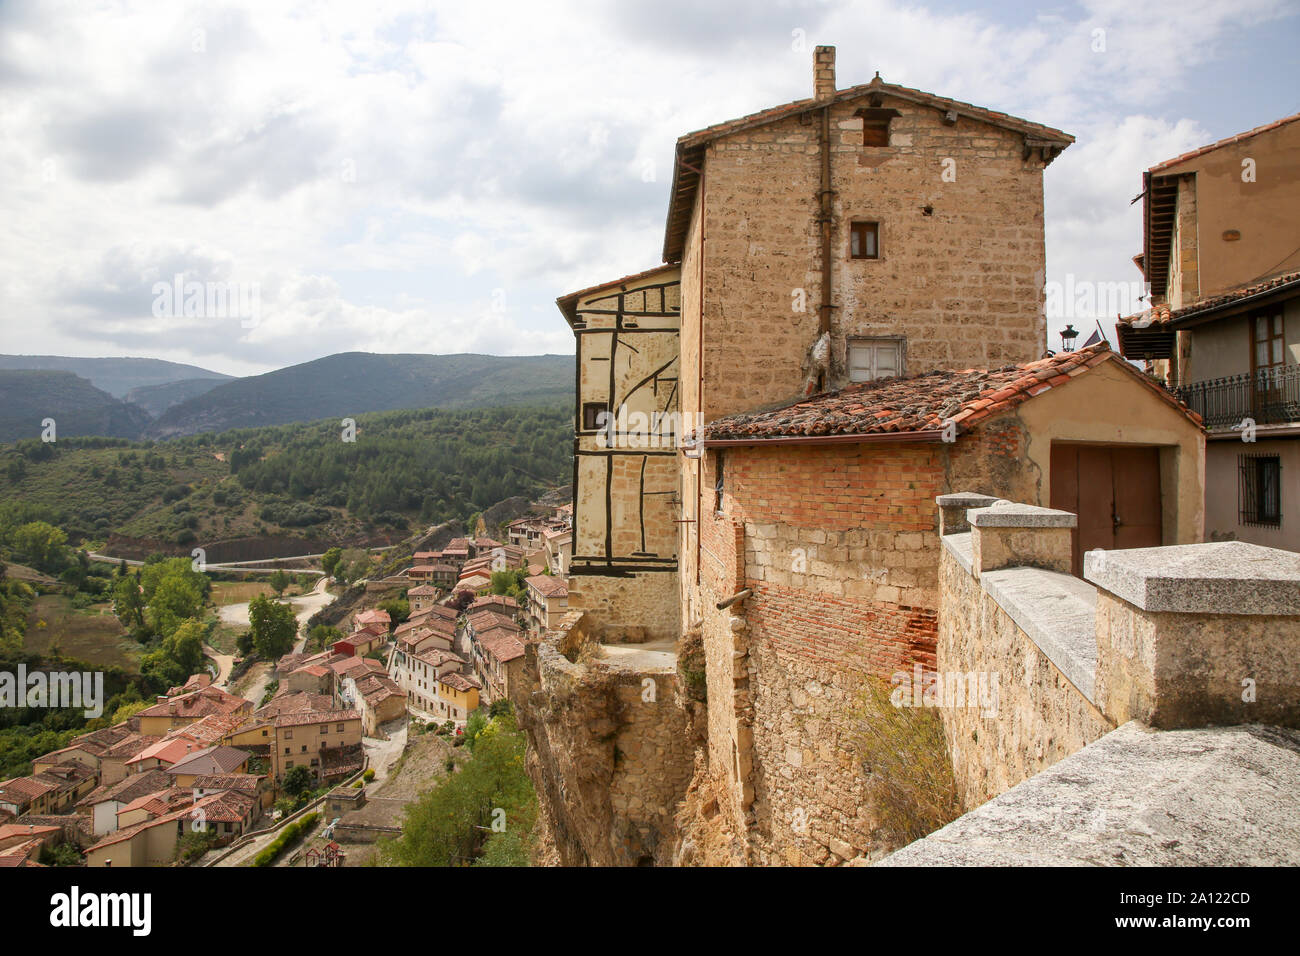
[825,214]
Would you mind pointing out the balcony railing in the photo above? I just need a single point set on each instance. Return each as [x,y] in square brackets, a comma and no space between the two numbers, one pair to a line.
[1269,396]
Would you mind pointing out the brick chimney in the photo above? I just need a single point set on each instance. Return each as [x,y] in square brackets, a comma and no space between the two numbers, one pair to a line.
[823,72]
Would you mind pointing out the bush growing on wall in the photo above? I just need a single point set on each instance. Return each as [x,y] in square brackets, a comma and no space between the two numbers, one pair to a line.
[904,756]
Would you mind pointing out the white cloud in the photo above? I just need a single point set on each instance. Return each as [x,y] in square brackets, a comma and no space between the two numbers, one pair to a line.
[378,170]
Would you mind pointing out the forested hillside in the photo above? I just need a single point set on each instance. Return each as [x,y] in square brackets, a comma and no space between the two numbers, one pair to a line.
[404,469]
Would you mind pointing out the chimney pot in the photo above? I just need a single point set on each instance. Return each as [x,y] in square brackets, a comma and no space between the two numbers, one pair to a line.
[824,72]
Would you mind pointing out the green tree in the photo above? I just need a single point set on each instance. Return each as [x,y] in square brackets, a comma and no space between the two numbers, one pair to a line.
[330,560]
[178,656]
[128,601]
[43,544]
[273,626]
[322,636]
[278,580]
[297,780]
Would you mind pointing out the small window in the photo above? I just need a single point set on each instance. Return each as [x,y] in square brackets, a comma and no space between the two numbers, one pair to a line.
[864,240]
[288,735]
[870,359]
[591,415]
[1259,490]
[875,132]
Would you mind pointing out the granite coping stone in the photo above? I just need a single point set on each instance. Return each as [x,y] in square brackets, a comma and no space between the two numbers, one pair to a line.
[1219,796]
[1009,514]
[959,546]
[964,499]
[1221,577]
[1058,612]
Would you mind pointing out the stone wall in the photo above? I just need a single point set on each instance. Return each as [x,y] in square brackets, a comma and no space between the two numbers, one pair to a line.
[1178,636]
[1040,716]
[629,609]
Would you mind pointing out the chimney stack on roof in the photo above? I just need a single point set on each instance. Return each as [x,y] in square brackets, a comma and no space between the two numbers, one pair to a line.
[824,72]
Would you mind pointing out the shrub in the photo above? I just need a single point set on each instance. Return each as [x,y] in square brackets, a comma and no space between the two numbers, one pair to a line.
[289,836]
[368,775]
[905,759]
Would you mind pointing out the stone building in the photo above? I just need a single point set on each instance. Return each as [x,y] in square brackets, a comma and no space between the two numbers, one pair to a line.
[1220,255]
[861,330]
[623,567]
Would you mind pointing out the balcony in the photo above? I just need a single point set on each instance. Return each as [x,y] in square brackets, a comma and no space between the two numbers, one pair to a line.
[1270,396]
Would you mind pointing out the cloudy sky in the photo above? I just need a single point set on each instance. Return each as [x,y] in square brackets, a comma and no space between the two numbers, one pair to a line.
[428,177]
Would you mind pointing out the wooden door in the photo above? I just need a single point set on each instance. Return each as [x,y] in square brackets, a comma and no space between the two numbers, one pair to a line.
[1115,491]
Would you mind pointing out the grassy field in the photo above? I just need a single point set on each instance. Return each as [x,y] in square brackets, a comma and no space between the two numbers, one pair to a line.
[92,634]
[238,592]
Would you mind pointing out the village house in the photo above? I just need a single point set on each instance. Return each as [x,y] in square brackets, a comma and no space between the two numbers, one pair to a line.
[624,533]
[1223,331]
[102,804]
[374,616]
[207,762]
[362,641]
[376,697]
[548,600]
[169,713]
[557,545]
[421,598]
[255,785]
[417,672]
[457,696]
[304,739]
[498,659]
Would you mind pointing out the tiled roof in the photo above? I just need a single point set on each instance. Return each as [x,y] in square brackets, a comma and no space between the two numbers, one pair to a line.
[1227,141]
[11,830]
[106,736]
[199,703]
[128,788]
[300,703]
[435,657]
[549,585]
[168,750]
[1163,315]
[494,599]
[460,681]
[132,745]
[212,760]
[357,667]
[484,618]
[378,687]
[504,647]
[422,590]
[916,407]
[229,806]
[228,781]
[26,787]
[318,717]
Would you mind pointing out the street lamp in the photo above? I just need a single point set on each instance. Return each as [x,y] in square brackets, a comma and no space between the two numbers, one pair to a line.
[1068,335]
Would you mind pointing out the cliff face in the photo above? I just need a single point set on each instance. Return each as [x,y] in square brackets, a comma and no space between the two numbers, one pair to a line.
[611,747]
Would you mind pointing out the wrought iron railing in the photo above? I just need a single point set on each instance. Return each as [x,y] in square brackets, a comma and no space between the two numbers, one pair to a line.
[1269,396]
